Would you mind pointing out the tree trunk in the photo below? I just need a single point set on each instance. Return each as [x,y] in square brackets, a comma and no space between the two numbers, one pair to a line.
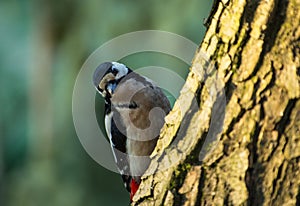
[250,152]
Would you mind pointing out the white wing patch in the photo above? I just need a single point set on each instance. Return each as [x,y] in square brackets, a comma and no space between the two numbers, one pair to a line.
[108,119]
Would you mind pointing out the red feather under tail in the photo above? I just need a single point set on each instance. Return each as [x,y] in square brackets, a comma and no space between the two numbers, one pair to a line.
[134,186]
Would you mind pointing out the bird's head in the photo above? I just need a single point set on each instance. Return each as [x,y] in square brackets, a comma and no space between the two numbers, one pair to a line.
[107,76]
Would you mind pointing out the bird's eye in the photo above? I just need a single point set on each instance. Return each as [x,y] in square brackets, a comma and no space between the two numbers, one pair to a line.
[114,71]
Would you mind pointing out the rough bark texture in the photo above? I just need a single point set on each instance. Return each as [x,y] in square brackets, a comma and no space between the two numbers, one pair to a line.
[255,46]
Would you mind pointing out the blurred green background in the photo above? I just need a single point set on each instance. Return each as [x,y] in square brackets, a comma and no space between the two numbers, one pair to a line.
[43,45]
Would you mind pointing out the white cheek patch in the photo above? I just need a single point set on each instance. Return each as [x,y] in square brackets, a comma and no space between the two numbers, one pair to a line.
[123,70]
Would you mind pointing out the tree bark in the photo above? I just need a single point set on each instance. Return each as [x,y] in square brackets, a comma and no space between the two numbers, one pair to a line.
[253,155]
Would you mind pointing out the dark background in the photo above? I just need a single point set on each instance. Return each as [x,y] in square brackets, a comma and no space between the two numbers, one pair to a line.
[43,45]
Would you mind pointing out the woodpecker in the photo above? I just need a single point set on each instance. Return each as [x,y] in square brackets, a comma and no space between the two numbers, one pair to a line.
[135,108]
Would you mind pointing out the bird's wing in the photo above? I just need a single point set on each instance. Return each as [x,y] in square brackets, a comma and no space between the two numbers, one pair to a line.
[117,137]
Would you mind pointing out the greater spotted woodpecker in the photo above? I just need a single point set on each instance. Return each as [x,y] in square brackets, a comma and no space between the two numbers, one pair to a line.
[134,114]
